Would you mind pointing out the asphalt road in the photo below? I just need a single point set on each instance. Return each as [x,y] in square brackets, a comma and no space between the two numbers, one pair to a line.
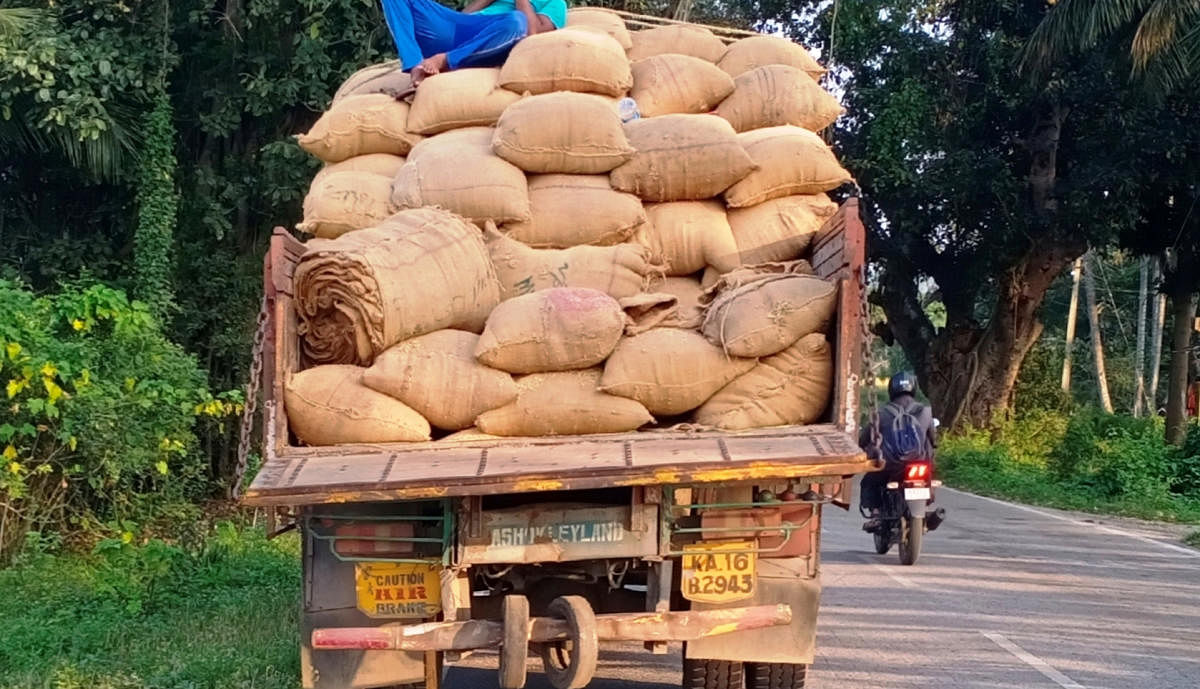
[1003,596]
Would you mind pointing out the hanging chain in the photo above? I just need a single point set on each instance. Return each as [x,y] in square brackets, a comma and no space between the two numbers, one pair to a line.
[250,406]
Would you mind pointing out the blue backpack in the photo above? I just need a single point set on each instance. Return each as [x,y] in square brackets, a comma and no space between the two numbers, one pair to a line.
[904,440]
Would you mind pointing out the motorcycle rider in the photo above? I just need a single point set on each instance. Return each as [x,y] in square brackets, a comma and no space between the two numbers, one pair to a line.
[902,390]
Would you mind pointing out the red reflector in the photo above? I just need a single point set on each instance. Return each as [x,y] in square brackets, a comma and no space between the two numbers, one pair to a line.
[918,471]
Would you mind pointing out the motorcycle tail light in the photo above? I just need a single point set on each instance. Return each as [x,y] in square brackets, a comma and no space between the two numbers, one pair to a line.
[893,485]
[918,471]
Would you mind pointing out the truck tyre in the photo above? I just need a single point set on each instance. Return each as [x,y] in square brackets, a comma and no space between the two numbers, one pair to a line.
[711,674]
[913,529]
[514,650]
[571,664]
[775,675]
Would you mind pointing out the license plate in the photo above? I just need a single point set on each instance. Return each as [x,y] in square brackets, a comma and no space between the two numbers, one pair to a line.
[398,589]
[718,572]
[916,494]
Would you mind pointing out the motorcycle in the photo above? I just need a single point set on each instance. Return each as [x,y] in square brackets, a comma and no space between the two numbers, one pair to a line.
[903,518]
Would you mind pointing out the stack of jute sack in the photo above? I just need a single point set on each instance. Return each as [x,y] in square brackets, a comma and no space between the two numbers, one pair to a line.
[502,255]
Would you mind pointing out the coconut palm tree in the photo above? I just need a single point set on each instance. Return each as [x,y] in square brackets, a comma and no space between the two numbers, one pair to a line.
[1160,37]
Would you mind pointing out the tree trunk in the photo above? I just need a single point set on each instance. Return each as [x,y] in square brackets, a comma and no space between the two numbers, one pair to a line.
[1156,339]
[1089,284]
[1183,312]
[1139,365]
[1072,317]
[973,371]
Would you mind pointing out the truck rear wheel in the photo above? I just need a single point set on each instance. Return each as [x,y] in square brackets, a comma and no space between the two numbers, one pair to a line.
[775,675]
[572,664]
[711,674]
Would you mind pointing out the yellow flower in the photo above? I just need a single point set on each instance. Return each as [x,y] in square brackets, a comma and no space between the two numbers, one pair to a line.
[77,324]
[10,453]
[14,468]
[12,349]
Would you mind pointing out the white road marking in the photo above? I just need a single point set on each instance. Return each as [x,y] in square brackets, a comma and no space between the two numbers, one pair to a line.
[1099,527]
[903,581]
[1033,661]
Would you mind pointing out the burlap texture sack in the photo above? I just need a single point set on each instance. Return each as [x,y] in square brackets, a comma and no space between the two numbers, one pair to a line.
[457,171]
[775,95]
[567,60]
[329,405]
[695,41]
[384,164]
[385,77]
[572,210]
[420,271]
[470,435]
[669,370]
[601,19]
[790,160]
[678,84]
[648,310]
[689,312]
[780,229]
[564,403]
[558,329]
[758,51]
[570,133]
[460,98]
[358,125]
[342,202]
[791,387]
[619,271]
[688,235]
[768,313]
[682,158]
[437,375]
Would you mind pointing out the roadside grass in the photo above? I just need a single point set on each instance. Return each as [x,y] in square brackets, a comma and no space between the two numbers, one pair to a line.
[136,616]
[1193,539]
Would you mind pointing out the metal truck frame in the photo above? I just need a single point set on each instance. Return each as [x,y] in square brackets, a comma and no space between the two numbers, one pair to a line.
[416,553]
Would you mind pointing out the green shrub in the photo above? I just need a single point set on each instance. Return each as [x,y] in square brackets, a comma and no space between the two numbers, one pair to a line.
[99,415]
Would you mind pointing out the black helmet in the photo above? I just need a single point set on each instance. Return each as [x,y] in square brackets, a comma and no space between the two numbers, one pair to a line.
[903,383]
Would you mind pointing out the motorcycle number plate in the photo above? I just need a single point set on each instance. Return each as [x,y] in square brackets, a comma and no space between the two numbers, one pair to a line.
[917,494]
[719,572]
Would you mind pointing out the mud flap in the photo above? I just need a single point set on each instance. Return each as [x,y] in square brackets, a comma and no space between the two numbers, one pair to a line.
[779,581]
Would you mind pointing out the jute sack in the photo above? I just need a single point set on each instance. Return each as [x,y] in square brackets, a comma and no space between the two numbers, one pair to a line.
[689,235]
[572,133]
[559,329]
[791,387]
[567,60]
[780,229]
[767,315]
[775,95]
[384,164]
[695,41]
[689,312]
[469,435]
[461,98]
[682,158]
[341,202]
[669,370]
[438,376]
[420,271]
[790,161]
[329,405]
[564,403]
[619,271]
[648,310]
[385,77]
[571,210]
[671,84]
[458,171]
[600,19]
[358,125]
[758,51]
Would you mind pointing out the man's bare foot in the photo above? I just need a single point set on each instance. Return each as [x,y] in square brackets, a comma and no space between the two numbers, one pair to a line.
[428,67]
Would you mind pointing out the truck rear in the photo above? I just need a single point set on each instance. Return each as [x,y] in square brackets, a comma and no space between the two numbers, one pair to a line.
[417,553]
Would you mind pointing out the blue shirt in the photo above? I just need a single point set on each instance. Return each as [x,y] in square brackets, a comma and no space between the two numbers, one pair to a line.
[555,10]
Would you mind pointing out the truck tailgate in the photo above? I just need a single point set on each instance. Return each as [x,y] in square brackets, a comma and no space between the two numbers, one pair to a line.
[435,470]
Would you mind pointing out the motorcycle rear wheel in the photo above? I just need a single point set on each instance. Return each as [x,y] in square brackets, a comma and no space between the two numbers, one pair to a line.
[911,535]
[883,540]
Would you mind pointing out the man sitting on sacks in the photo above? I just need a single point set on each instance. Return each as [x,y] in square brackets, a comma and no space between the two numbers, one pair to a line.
[432,38]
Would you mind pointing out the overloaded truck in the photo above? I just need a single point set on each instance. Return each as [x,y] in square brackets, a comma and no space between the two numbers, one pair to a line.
[688,530]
